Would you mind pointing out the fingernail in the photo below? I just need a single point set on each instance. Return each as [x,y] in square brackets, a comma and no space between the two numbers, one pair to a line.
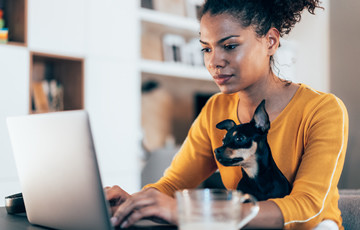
[113,220]
[124,224]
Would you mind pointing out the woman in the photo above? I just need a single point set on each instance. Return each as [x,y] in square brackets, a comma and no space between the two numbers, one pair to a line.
[308,133]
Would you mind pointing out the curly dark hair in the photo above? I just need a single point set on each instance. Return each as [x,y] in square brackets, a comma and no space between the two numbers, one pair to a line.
[262,14]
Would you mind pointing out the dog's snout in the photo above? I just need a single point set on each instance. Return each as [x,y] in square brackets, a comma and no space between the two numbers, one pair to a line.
[217,151]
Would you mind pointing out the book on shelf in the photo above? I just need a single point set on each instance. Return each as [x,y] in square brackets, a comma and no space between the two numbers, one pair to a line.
[48,96]
[40,99]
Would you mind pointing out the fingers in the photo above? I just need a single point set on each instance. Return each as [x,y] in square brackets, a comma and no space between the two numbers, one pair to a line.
[115,192]
[130,207]
[116,196]
[138,214]
[147,203]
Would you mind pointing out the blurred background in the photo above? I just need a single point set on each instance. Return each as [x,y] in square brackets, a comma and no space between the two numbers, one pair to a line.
[136,67]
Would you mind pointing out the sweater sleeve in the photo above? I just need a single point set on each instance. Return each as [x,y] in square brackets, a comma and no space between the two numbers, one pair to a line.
[315,186]
[194,162]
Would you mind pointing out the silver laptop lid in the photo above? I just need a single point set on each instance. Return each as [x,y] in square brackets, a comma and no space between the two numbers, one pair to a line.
[58,170]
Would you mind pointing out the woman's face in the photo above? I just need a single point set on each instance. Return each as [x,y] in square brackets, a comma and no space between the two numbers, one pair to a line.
[235,57]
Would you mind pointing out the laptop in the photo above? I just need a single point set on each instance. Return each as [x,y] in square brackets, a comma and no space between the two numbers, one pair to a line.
[58,170]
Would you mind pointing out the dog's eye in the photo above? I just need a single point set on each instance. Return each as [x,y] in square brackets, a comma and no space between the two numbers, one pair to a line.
[240,138]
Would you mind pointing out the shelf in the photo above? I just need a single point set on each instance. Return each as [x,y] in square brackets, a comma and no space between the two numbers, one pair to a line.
[66,71]
[174,70]
[15,14]
[178,82]
[169,21]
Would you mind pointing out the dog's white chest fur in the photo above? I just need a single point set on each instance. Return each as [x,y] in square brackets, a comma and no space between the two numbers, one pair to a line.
[249,164]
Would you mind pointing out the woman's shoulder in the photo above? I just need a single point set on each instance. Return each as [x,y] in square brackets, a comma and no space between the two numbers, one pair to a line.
[313,100]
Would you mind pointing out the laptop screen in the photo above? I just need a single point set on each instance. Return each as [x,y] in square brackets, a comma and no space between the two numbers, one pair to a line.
[58,170]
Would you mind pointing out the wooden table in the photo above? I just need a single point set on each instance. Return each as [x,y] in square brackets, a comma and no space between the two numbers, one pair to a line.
[20,222]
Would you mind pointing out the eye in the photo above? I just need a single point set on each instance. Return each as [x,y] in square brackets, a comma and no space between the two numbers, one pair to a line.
[205,50]
[230,46]
[240,139]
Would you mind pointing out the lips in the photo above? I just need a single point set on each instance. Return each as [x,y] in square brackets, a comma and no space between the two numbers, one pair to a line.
[221,79]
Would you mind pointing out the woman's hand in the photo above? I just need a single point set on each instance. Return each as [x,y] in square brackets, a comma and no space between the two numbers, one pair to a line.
[148,203]
[116,196]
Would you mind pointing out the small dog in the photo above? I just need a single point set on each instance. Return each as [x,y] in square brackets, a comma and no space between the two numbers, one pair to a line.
[246,145]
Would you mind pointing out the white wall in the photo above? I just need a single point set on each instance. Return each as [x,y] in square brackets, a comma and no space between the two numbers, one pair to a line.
[344,78]
[309,44]
[57,26]
[106,34]
[14,91]
[112,89]
[327,58]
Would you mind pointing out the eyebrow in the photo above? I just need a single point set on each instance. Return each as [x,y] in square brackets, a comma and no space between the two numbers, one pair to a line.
[221,40]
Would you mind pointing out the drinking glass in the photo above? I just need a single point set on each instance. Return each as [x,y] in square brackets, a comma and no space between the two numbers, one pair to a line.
[212,209]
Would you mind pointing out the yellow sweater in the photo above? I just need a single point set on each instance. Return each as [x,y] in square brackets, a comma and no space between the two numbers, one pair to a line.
[308,142]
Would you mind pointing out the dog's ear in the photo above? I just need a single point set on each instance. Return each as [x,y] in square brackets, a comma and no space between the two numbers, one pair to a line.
[261,118]
[226,124]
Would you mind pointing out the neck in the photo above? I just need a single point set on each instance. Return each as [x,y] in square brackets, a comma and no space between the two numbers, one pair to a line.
[271,89]
[251,97]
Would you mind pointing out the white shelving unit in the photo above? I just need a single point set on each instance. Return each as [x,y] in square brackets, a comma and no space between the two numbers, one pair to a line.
[92,31]
[174,69]
[164,23]
[182,81]
[168,20]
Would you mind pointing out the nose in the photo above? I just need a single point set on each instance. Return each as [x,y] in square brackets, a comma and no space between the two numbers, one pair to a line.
[216,60]
[219,151]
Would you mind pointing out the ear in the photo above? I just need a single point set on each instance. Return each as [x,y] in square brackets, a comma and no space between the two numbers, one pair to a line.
[273,40]
[261,118]
[226,124]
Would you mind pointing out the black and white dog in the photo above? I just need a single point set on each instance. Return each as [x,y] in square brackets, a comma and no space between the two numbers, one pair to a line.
[246,145]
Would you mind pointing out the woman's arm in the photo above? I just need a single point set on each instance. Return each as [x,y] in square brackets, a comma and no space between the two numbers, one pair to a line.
[314,196]
[269,216]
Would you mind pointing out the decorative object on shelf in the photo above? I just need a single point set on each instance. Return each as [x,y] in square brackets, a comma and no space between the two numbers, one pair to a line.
[55,94]
[156,115]
[148,4]
[48,93]
[151,45]
[4,32]
[192,53]
[2,20]
[193,8]
[40,100]
[173,47]
[176,49]
[176,7]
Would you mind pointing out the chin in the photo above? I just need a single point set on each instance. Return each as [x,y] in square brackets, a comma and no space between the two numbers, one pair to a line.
[227,90]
